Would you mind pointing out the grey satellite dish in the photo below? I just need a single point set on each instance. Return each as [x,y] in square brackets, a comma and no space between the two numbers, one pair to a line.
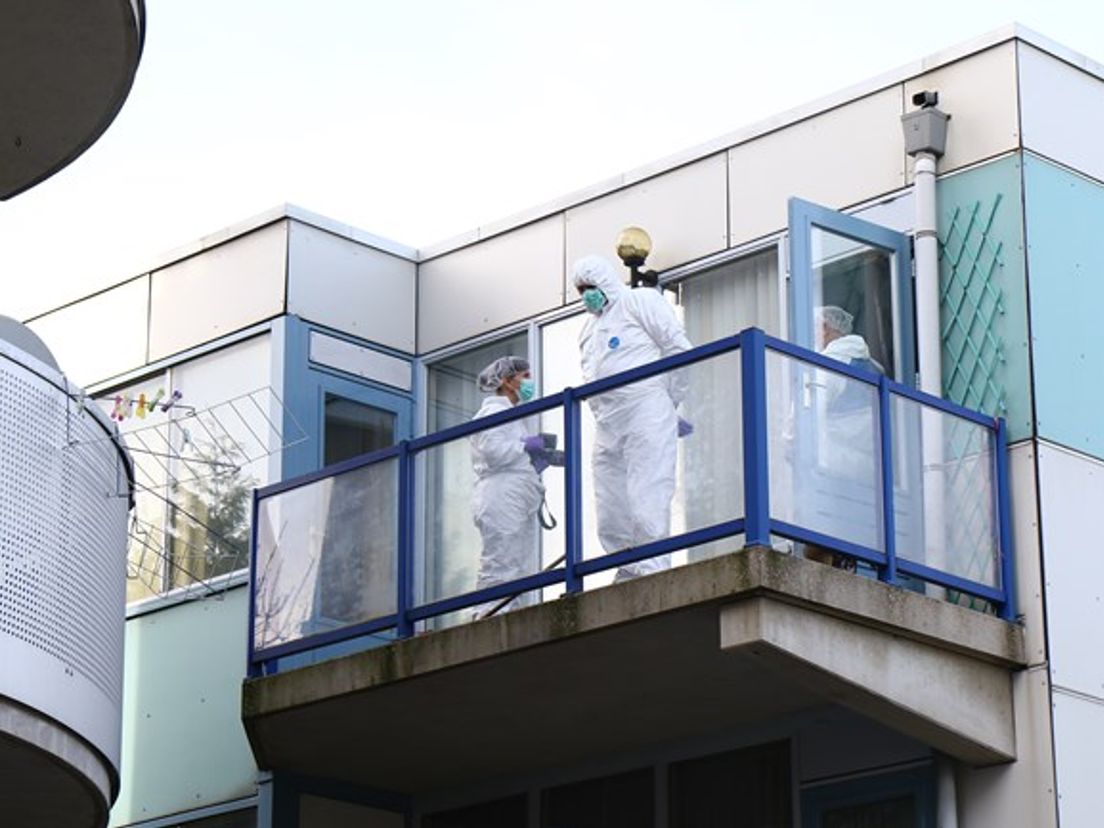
[26,340]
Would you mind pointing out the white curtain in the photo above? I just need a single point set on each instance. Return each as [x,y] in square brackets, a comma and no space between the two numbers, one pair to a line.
[716,303]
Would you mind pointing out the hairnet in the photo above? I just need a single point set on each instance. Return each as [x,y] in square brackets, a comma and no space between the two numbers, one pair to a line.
[836,318]
[491,377]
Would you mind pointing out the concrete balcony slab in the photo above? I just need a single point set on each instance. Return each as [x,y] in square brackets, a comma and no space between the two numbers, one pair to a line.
[718,644]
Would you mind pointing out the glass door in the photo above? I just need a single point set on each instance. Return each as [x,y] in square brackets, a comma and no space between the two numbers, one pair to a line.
[851,301]
[861,269]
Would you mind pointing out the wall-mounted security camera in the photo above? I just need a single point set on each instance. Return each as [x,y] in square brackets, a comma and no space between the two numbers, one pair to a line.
[926,127]
[925,99]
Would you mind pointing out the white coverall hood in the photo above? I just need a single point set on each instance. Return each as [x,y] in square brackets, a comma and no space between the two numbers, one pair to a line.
[847,348]
[599,272]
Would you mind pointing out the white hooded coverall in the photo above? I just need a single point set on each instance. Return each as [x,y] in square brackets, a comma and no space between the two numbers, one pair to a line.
[507,494]
[846,412]
[635,450]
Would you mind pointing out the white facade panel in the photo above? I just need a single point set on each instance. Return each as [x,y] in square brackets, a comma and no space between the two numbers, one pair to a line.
[363,362]
[101,336]
[63,527]
[218,291]
[839,158]
[351,287]
[897,213]
[491,284]
[979,93]
[1071,489]
[684,211]
[1078,758]
[1025,540]
[1021,793]
[1062,111]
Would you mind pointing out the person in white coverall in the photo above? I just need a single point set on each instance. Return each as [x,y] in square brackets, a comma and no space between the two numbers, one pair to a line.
[844,411]
[508,491]
[635,451]
[845,416]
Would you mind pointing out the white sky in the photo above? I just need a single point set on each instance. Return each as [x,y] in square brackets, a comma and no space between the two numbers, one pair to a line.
[417,120]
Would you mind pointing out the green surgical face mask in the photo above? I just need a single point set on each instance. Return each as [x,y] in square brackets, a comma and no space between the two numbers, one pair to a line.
[594,300]
[527,389]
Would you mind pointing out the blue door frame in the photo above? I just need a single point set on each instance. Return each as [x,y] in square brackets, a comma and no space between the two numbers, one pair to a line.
[304,391]
[824,495]
[803,217]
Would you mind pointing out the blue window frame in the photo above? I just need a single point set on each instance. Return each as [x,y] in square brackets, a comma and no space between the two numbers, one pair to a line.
[865,268]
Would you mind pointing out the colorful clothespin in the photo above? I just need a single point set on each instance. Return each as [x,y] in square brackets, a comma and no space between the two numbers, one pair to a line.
[152,404]
[119,412]
[140,411]
[173,399]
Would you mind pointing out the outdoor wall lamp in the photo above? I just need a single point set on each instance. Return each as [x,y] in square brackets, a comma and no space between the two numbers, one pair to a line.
[633,247]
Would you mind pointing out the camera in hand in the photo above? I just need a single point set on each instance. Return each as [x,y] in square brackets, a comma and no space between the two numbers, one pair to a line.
[554,457]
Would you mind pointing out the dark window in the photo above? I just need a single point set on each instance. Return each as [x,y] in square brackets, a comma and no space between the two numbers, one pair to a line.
[353,428]
[245,818]
[900,812]
[626,800]
[900,799]
[747,788]
[502,813]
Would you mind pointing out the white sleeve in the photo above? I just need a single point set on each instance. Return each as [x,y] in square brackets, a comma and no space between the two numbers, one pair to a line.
[498,448]
[662,324]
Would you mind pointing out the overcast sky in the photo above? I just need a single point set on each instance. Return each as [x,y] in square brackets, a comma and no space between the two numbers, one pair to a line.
[417,120]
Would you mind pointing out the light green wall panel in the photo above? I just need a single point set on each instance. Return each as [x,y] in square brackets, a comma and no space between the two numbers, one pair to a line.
[183,742]
[986,356]
[1065,235]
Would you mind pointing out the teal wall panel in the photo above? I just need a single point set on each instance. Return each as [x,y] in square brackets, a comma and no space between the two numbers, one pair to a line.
[1065,236]
[983,311]
[183,742]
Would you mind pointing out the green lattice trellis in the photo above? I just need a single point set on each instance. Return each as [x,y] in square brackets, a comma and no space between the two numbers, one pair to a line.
[971,301]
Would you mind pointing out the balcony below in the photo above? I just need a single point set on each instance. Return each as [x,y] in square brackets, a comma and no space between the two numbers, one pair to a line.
[722,643]
[67,69]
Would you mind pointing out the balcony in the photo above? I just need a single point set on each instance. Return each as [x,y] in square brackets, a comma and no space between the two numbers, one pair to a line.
[362,620]
[68,68]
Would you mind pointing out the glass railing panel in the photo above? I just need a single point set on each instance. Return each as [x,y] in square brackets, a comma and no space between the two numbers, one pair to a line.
[481,500]
[824,451]
[650,473]
[326,555]
[945,492]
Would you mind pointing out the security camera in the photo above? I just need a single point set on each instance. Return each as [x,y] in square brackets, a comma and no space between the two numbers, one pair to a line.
[925,99]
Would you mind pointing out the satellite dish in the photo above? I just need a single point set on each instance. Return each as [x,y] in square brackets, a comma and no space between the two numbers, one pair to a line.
[26,340]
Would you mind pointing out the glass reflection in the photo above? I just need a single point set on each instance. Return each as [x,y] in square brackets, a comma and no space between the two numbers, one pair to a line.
[946,503]
[824,444]
[326,554]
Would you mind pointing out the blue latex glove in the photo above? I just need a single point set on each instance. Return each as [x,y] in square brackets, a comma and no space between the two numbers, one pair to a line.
[533,443]
[685,427]
[539,459]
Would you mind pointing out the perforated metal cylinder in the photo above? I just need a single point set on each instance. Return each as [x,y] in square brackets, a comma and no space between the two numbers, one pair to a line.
[64,499]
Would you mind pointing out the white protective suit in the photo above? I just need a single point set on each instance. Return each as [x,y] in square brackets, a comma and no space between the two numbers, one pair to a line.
[846,412]
[635,449]
[505,500]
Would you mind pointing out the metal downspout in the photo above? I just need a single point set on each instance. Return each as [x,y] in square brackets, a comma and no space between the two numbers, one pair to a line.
[925,140]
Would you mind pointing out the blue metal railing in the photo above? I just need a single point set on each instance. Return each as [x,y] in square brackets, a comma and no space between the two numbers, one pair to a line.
[893,500]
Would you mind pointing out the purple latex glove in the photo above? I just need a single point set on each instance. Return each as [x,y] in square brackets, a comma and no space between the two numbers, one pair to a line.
[685,428]
[533,443]
[539,461]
